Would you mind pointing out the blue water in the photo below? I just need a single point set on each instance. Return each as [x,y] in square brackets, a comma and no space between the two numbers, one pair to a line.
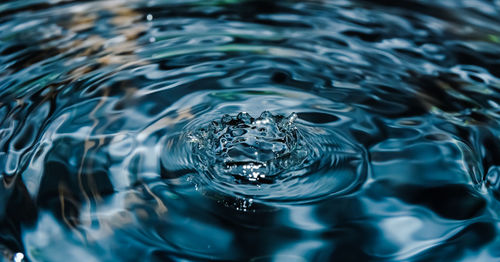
[250,130]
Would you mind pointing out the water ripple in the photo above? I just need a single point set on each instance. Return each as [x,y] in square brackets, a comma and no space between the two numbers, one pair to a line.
[249,130]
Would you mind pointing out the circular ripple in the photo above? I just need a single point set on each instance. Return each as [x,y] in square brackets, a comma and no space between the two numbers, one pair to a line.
[283,156]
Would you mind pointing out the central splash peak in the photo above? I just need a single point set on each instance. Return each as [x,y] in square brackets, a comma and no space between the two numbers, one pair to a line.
[252,150]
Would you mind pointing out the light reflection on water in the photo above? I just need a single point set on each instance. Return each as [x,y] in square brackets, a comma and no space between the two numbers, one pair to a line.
[115,145]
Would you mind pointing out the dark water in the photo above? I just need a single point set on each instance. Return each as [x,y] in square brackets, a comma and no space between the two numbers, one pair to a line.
[250,130]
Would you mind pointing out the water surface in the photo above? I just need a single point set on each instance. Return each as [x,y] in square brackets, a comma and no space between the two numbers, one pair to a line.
[249,130]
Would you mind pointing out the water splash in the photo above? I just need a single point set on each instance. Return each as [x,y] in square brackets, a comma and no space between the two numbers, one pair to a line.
[271,158]
[252,150]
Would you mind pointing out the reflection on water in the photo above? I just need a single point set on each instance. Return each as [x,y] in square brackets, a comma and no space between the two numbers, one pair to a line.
[249,130]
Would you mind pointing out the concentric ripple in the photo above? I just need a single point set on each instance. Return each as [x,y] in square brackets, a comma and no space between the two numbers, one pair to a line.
[249,130]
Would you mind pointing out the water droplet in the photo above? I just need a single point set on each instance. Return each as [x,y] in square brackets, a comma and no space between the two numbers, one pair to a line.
[245,118]
[226,119]
[18,257]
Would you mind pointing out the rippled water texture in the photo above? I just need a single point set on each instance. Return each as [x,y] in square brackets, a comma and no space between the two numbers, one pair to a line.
[250,130]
